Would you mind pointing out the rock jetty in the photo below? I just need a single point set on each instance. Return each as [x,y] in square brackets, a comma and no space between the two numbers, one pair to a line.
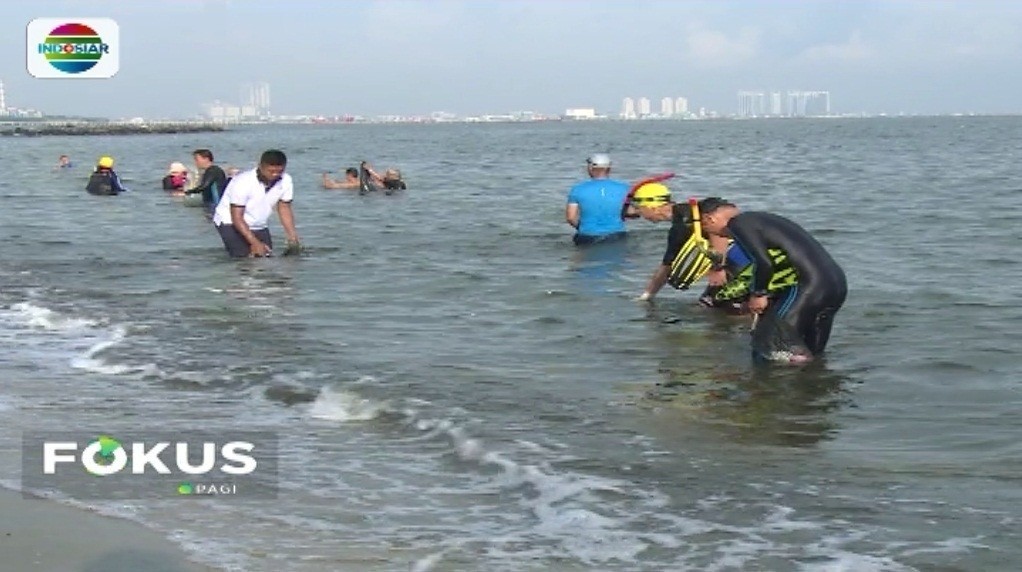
[32,129]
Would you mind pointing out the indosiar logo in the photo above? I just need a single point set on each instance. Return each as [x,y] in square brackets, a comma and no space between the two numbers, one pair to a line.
[73,48]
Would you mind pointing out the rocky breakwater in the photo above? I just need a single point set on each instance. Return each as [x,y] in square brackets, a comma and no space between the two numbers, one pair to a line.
[32,129]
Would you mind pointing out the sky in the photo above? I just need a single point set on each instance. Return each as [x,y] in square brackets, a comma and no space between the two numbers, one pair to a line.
[414,57]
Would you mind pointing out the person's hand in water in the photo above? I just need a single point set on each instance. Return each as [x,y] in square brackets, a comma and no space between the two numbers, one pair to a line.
[293,248]
[757,304]
[259,249]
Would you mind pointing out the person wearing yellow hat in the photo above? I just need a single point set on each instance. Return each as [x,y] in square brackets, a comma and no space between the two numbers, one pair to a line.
[103,180]
[690,253]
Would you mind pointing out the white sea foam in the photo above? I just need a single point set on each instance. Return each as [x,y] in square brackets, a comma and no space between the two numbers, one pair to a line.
[345,406]
[78,340]
[44,318]
[570,510]
[89,361]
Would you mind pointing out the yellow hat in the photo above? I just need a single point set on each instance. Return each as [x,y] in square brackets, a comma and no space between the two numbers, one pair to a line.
[106,162]
[651,195]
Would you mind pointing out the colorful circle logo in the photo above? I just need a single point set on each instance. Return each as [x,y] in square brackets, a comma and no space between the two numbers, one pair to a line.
[73,48]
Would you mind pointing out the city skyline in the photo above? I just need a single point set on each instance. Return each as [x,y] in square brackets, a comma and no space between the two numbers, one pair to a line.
[408,57]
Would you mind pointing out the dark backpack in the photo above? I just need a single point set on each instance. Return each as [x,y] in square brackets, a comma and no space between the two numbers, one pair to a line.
[101,183]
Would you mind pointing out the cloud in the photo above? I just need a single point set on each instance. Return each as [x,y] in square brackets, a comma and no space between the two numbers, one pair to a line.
[712,48]
[854,50]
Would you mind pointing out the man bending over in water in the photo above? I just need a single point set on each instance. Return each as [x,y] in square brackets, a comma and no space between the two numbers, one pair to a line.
[804,310]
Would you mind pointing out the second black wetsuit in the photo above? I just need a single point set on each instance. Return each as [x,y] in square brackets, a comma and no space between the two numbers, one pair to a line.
[810,305]
[212,186]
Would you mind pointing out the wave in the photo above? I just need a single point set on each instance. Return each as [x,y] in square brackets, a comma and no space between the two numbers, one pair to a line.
[587,517]
[46,319]
[49,336]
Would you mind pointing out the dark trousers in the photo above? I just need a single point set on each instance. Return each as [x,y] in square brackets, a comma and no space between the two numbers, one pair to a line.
[236,245]
[584,239]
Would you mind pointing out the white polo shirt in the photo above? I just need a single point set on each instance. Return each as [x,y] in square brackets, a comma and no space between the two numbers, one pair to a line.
[245,189]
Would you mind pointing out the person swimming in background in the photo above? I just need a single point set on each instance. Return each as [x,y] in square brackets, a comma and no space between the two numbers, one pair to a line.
[103,180]
[390,180]
[176,180]
[594,206]
[350,180]
[795,321]
[63,162]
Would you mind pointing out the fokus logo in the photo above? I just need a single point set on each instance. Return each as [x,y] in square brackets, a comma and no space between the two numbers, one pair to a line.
[107,456]
[132,465]
[73,48]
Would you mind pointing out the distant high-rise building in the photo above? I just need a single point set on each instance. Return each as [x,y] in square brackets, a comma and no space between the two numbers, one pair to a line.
[3,98]
[644,107]
[681,106]
[628,108]
[667,107]
[262,100]
[808,103]
[751,104]
[775,103]
[255,98]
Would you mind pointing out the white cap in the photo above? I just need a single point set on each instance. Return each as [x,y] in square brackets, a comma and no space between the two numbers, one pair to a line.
[601,160]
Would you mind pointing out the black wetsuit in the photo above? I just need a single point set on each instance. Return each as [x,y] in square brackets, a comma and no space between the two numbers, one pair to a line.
[681,230]
[810,305]
[394,185]
[212,186]
[104,182]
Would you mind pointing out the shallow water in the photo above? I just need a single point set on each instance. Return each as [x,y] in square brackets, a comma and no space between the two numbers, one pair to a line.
[461,389]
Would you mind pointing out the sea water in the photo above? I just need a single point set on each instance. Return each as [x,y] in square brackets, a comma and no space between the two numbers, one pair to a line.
[459,388]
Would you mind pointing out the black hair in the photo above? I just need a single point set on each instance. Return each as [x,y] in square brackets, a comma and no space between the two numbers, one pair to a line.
[710,204]
[204,153]
[351,171]
[274,158]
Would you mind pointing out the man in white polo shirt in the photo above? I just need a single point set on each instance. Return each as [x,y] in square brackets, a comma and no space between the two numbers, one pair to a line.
[242,214]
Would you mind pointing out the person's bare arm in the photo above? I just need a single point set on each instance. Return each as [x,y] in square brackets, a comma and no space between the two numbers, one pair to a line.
[329,183]
[287,220]
[571,214]
[656,282]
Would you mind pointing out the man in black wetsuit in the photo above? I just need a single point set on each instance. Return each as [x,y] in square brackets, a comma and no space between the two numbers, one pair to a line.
[804,310]
[213,182]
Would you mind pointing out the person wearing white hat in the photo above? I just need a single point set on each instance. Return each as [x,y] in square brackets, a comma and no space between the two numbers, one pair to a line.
[594,206]
[176,179]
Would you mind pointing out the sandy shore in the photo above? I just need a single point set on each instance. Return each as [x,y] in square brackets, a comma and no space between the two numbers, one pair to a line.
[43,536]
